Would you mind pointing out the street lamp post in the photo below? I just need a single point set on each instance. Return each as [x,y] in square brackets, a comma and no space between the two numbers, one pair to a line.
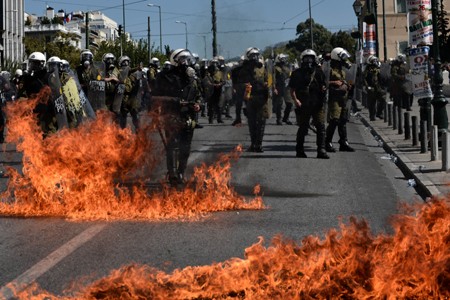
[186,32]
[160,30]
[358,9]
[439,102]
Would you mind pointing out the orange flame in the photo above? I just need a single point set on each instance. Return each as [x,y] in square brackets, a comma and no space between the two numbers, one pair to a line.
[73,174]
[350,263]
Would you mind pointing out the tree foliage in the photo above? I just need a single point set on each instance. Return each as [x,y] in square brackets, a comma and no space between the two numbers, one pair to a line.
[321,38]
[137,51]
[62,46]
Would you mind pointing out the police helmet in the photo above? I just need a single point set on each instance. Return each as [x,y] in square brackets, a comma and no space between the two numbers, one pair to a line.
[401,58]
[124,61]
[65,66]
[109,58]
[281,58]
[339,54]
[252,53]
[167,65]
[196,57]
[155,61]
[372,60]
[36,61]
[53,63]
[18,72]
[181,57]
[86,55]
[214,62]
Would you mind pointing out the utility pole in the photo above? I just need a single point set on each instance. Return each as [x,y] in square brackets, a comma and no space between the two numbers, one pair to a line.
[384,34]
[311,26]
[214,27]
[87,30]
[148,39]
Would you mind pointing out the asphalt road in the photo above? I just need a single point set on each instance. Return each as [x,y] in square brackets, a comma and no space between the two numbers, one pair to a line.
[305,196]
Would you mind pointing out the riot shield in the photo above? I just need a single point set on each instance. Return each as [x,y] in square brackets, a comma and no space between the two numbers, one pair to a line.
[120,90]
[71,99]
[140,92]
[350,74]
[88,111]
[58,100]
[97,87]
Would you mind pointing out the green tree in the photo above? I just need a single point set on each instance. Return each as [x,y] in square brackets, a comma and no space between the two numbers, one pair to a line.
[321,38]
[45,21]
[62,45]
[344,40]
[137,51]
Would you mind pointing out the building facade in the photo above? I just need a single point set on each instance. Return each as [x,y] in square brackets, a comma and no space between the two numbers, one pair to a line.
[12,32]
[396,25]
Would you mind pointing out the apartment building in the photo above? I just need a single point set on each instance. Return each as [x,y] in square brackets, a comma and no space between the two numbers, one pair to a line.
[396,20]
[12,31]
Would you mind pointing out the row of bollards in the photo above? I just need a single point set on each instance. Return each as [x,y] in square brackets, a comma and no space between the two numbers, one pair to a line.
[409,126]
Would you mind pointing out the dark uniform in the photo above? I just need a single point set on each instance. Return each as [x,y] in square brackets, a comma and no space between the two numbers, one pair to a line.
[309,87]
[177,95]
[375,94]
[238,93]
[257,106]
[337,108]
[282,73]
[216,82]
[85,74]
[131,102]
[399,85]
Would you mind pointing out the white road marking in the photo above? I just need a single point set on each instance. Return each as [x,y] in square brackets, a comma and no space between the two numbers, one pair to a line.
[29,276]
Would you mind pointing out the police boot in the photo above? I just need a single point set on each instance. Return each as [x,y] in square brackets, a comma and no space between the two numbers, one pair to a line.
[329,136]
[300,151]
[320,141]
[172,171]
[260,136]
[344,146]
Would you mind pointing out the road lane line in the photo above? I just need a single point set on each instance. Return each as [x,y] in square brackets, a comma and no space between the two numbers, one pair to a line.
[29,276]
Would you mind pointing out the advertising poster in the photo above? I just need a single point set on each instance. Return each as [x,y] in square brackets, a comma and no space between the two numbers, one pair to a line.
[418,61]
[420,21]
[369,41]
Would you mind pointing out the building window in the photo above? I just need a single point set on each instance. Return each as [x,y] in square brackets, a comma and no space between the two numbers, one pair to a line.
[400,6]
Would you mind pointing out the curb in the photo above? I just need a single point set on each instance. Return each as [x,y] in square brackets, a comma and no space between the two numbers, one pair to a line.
[424,186]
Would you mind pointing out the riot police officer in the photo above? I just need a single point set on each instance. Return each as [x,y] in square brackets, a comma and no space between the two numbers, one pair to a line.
[131,102]
[338,89]
[216,82]
[375,93]
[111,79]
[85,71]
[176,97]
[308,89]
[253,76]
[282,73]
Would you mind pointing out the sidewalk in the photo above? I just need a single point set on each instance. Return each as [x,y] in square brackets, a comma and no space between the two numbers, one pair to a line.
[428,175]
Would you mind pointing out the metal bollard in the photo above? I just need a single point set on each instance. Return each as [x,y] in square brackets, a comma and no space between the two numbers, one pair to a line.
[423,137]
[385,113]
[415,131]
[445,151]
[389,113]
[400,122]
[434,143]
[394,117]
[407,126]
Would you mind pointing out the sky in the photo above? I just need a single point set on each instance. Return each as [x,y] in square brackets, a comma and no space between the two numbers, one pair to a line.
[240,23]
